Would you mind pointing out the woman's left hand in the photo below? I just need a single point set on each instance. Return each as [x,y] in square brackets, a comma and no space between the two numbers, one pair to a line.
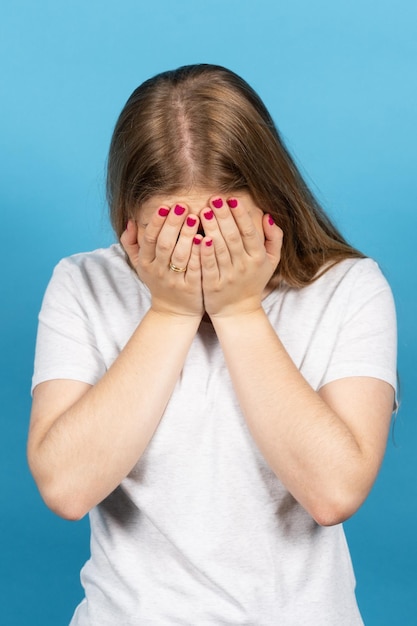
[239,254]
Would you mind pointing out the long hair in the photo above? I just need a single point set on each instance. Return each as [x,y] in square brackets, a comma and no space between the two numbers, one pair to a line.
[202,126]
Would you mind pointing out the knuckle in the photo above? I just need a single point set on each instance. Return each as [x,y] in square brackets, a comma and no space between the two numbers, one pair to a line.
[221,250]
[210,265]
[180,260]
[163,245]
[259,259]
[249,232]
[149,238]
[180,255]
[234,237]
[193,266]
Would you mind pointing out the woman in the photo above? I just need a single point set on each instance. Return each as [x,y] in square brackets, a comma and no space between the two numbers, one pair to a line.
[217,390]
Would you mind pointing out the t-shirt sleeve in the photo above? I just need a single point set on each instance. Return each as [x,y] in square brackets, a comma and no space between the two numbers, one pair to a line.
[65,344]
[367,340]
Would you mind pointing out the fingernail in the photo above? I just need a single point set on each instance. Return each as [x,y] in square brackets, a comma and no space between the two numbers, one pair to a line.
[208,215]
[218,203]
[163,212]
[232,202]
[209,242]
[179,210]
[191,221]
[197,241]
[270,220]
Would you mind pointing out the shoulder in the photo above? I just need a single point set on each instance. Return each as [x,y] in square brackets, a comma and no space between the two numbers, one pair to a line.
[343,324]
[351,290]
[355,284]
[110,259]
[349,279]
[97,276]
[349,283]
[352,272]
[356,288]
[103,268]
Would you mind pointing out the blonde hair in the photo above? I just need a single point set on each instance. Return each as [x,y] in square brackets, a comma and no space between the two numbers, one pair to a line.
[203,126]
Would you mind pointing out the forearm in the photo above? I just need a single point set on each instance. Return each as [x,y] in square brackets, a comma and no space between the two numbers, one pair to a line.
[307,445]
[95,443]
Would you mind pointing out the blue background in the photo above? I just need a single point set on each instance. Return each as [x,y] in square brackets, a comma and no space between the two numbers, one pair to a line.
[340,81]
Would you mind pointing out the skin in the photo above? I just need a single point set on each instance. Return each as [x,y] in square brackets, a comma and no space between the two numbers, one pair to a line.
[326,447]
[210,266]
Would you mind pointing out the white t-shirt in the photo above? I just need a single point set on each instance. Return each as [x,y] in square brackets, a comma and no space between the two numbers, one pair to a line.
[201,532]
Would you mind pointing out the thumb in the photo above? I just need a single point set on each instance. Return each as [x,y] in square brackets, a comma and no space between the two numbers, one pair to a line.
[129,241]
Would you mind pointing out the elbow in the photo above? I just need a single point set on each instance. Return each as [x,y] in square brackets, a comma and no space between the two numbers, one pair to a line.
[57,495]
[330,516]
[60,501]
[339,499]
[68,508]
[334,510]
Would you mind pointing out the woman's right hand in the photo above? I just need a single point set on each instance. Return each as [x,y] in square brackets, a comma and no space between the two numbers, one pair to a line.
[170,238]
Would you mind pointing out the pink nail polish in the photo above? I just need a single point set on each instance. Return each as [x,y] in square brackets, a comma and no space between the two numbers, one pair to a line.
[270,220]
[178,209]
[218,203]
[209,242]
[232,202]
[163,212]
[191,221]
[197,241]
[208,215]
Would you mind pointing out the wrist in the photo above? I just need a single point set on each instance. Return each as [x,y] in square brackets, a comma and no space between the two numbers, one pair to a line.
[240,318]
[244,328]
[237,310]
[181,317]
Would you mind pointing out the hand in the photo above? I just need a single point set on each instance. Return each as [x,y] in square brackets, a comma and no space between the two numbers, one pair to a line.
[170,238]
[239,255]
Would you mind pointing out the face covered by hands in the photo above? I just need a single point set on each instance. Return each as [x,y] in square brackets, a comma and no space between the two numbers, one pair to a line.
[199,252]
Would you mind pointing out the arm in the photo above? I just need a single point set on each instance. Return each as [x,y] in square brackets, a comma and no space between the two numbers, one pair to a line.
[325,447]
[84,440]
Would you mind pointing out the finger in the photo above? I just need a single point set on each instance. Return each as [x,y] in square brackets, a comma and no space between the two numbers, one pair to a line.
[129,241]
[251,240]
[151,234]
[209,267]
[169,233]
[180,256]
[193,273]
[226,224]
[212,230]
[273,239]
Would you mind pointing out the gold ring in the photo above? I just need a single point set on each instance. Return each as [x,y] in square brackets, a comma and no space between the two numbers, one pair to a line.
[174,268]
